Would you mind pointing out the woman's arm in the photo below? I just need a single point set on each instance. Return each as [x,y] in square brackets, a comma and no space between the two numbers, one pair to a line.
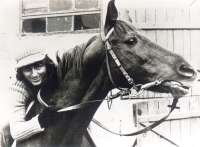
[21,129]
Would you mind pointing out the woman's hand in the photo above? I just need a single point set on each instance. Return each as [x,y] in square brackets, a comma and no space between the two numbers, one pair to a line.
[48,116]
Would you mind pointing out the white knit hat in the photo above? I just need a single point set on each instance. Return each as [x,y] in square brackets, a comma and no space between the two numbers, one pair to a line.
[29,56]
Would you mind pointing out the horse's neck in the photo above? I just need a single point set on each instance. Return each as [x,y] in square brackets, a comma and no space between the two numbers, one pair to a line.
[92,83]
[99,87]
[96,68]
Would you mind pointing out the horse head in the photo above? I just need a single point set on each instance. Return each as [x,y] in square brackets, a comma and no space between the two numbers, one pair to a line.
[144,60]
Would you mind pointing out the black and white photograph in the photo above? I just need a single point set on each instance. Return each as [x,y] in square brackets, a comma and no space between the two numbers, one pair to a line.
[100,73]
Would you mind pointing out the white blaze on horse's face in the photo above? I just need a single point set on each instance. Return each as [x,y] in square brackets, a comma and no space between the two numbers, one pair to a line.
[34,73]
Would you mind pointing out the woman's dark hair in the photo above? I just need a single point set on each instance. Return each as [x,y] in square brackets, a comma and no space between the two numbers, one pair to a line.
[50,66]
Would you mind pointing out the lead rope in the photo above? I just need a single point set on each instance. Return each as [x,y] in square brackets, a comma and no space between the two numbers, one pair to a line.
[40,99]
[109,98]
[173,106]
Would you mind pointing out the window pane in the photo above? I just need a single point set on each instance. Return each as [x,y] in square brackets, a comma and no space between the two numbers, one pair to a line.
[86,4]
[89,21]
[37,25]
[34,6]
[60,5]
[58,24]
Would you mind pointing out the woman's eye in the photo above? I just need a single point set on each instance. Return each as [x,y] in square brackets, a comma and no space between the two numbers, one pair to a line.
[27,69]
[39,66]
[131,41]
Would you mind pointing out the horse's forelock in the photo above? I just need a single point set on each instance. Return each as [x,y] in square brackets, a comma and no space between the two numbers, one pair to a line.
[122,28]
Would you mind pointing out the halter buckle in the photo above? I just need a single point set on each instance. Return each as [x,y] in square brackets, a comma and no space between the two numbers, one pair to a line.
[108,46]
[130,81]
[158,82]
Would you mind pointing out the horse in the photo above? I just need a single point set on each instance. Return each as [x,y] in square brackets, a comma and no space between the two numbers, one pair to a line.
[88,72]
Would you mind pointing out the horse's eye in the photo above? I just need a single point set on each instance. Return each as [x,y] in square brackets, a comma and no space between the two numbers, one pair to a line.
[132,41]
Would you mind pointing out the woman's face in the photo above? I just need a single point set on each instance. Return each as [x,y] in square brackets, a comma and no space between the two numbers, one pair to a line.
[35,73]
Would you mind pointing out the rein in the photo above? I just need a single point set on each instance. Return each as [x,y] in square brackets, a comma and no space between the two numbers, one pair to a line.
[150,127]
[123,91]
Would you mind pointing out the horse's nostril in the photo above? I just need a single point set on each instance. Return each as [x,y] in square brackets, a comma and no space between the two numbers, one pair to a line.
[186,70]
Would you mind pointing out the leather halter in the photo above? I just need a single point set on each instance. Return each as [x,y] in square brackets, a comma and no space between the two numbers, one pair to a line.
[126,75]
[122,92]
[113,55]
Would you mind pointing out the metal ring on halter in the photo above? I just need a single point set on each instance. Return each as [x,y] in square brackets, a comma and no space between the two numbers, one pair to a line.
[138,93]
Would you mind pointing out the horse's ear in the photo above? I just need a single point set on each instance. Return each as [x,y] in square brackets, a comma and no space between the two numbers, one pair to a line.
[111,16]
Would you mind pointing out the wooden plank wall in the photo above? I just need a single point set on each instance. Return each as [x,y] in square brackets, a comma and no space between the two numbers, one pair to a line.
[182,127]
[177,30]
[161,26]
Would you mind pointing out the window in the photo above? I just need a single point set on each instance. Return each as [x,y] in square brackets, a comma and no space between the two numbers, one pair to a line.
[60,16]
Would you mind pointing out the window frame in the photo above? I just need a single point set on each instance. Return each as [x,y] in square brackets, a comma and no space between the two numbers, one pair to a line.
[47,14]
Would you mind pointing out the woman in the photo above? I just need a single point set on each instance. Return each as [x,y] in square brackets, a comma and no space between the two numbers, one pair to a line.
[35,70]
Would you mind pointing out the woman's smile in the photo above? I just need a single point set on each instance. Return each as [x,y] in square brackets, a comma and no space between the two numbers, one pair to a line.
[35,79]
[35,73]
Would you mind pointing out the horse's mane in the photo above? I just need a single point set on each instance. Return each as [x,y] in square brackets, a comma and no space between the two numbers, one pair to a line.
[73,58]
